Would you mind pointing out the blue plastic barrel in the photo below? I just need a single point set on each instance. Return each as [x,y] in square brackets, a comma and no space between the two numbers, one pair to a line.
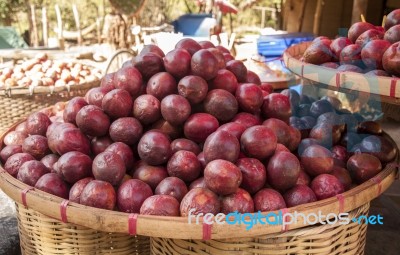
[275,45]
[198,25]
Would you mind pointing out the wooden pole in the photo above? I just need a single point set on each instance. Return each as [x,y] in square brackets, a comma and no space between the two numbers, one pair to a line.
[262,18]
[359,7]
[78,23]
[98,30]
[45,26]
[230,23]
[35,36]
[285,13]
[280,15]
[317,17]
[59,27]
[301,18]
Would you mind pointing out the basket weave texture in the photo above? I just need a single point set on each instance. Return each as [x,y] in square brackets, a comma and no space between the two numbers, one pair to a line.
[336,239]
[17,103]
[42,235]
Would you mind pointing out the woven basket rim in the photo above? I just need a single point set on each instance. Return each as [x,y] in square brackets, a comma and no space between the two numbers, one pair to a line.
[388,87]
[18,91]
[178,227]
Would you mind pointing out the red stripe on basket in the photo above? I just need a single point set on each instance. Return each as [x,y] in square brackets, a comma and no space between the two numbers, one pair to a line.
[338,78]
[207,231]
[285,227]
[132,223]
[340,198]
[302,69]
[63,210]
[393,87]
[377,180]
[23,195]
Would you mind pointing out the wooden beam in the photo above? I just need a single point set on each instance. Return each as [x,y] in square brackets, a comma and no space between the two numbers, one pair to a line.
[271,9]
[317,17]
[284,14]
[281,15]
[59,27]
[359,7]
[35,36]
[301,17]
[77,23]
[98,30]
[262,19]
[45,26]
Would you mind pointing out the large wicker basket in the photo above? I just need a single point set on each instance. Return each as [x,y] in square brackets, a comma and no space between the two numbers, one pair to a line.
[17,103]
[52,225]
[323,239]
[384,89]
[42,235]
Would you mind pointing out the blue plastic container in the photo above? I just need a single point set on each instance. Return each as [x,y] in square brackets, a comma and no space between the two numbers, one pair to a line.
[194,24]
[275,45]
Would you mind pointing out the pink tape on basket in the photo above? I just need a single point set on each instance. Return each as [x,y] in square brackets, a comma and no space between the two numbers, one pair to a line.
[207,231]
[340,198]
[302,69]
[393,87]
[23,195]
[285,227]
[132,224]
[338,79]
[63,210]
[377,180]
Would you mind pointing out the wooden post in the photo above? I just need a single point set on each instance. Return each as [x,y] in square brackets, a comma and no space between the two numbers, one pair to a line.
[35,36]
[280,15]
[359,7]
[45,26]
[230,23]
[317,17]
[301,17]
[98,30]
[285,14]
[262,18]
[77,22]
[59,27]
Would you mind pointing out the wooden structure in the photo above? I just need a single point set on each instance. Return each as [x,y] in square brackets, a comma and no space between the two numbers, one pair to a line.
[332,18]
[376,93]
[387,89]
[317,16]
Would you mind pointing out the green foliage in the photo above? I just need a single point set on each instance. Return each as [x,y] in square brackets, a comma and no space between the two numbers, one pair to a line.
[252,17]
[88,12]
[126,7]
[154,13]
[16,12]
[8,8]
[157,12]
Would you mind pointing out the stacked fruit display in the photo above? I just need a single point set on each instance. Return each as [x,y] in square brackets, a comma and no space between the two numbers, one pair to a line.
[193,129]
[367,49]
[41,71]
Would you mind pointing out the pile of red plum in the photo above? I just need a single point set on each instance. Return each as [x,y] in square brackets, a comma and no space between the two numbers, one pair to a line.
[194,129]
